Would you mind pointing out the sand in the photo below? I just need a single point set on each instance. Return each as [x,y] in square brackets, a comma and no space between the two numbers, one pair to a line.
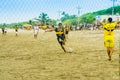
[24,58]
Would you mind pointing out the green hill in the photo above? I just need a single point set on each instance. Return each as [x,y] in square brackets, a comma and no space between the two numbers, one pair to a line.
[90,17]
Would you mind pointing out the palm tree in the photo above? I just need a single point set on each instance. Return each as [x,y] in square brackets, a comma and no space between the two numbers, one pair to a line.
[30,22]
[44,17]
[65,16]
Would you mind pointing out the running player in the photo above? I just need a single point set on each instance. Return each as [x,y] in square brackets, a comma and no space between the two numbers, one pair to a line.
[60,35]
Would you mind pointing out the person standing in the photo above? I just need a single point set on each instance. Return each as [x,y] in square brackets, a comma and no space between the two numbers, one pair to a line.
[3,30]
[36,30]
[66,31]
[109,35]
[16,30]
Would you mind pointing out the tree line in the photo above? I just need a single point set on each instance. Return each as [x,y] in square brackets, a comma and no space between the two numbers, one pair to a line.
[43,18]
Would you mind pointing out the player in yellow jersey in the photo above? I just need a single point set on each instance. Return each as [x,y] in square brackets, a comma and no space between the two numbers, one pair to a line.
[66,31]
[109,35]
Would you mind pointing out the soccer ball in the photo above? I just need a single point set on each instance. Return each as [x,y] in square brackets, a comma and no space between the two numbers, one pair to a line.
[70,50]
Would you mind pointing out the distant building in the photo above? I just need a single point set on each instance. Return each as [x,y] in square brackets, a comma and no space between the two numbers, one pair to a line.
[105,17]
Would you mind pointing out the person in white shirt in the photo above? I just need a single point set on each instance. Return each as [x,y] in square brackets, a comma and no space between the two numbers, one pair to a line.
[36,31]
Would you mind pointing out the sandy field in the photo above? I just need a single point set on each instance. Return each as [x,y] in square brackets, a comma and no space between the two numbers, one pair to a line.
[24,58]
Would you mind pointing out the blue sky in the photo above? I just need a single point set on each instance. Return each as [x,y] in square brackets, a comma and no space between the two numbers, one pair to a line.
[23,10]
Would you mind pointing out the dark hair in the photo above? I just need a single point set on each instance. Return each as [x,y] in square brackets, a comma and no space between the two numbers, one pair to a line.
[60,24]
[109,19]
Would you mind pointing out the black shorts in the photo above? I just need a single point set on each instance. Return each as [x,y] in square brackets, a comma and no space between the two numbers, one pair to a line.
[60,39]
[66,32]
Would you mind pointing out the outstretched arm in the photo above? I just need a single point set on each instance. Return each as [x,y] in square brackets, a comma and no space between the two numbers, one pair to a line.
[117,20]
[99,21]
[49,30]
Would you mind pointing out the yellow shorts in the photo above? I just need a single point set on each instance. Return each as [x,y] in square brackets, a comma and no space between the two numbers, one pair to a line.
[109,41]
